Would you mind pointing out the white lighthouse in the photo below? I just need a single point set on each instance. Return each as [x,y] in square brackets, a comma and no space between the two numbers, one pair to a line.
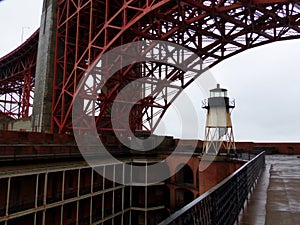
[218,130]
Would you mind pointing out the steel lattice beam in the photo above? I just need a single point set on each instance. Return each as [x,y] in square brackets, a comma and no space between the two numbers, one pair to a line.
[17,72]
[214,30]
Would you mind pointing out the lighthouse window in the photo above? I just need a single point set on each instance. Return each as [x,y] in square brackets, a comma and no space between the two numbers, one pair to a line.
[218,94]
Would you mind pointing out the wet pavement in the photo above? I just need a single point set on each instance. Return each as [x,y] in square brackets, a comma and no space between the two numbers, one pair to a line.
[276,197]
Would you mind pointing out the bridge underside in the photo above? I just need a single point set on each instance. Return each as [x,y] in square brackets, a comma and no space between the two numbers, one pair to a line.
[84,31]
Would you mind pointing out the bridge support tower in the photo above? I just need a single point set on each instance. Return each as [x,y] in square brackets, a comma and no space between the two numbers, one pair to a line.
[42,105]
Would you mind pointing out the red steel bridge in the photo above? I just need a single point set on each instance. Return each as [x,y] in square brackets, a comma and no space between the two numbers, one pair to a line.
[82,31]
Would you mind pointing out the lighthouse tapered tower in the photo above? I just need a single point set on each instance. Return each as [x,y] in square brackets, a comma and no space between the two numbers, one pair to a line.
[218,130]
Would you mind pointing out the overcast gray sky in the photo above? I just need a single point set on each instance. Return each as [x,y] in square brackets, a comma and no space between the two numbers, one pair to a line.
[265,81]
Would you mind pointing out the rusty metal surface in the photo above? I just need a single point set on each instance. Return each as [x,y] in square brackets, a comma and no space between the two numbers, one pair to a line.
[276,198]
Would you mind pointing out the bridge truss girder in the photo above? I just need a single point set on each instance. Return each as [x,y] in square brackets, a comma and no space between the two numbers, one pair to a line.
[214,30]
[17,73]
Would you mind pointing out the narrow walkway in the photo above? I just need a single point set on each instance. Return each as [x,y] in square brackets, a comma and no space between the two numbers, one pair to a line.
[276,197]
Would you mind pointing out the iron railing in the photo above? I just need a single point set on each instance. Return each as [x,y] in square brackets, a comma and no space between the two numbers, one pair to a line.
[222,204]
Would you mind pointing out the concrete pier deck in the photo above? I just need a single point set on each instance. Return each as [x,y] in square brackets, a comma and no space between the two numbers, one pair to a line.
[276,197]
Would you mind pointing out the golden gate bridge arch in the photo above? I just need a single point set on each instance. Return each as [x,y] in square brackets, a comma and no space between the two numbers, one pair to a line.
[75,34]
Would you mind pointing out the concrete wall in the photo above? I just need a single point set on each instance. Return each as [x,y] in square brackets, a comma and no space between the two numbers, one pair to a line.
[289,148]
[42,105]
[16,125]
[20,125]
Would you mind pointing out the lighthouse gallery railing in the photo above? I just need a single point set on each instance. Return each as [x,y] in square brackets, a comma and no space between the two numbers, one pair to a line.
[222,204]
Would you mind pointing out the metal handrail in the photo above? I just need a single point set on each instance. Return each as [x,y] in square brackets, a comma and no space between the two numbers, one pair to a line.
[221,204]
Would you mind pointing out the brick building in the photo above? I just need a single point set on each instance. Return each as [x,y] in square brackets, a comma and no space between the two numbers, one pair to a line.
[44,180]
